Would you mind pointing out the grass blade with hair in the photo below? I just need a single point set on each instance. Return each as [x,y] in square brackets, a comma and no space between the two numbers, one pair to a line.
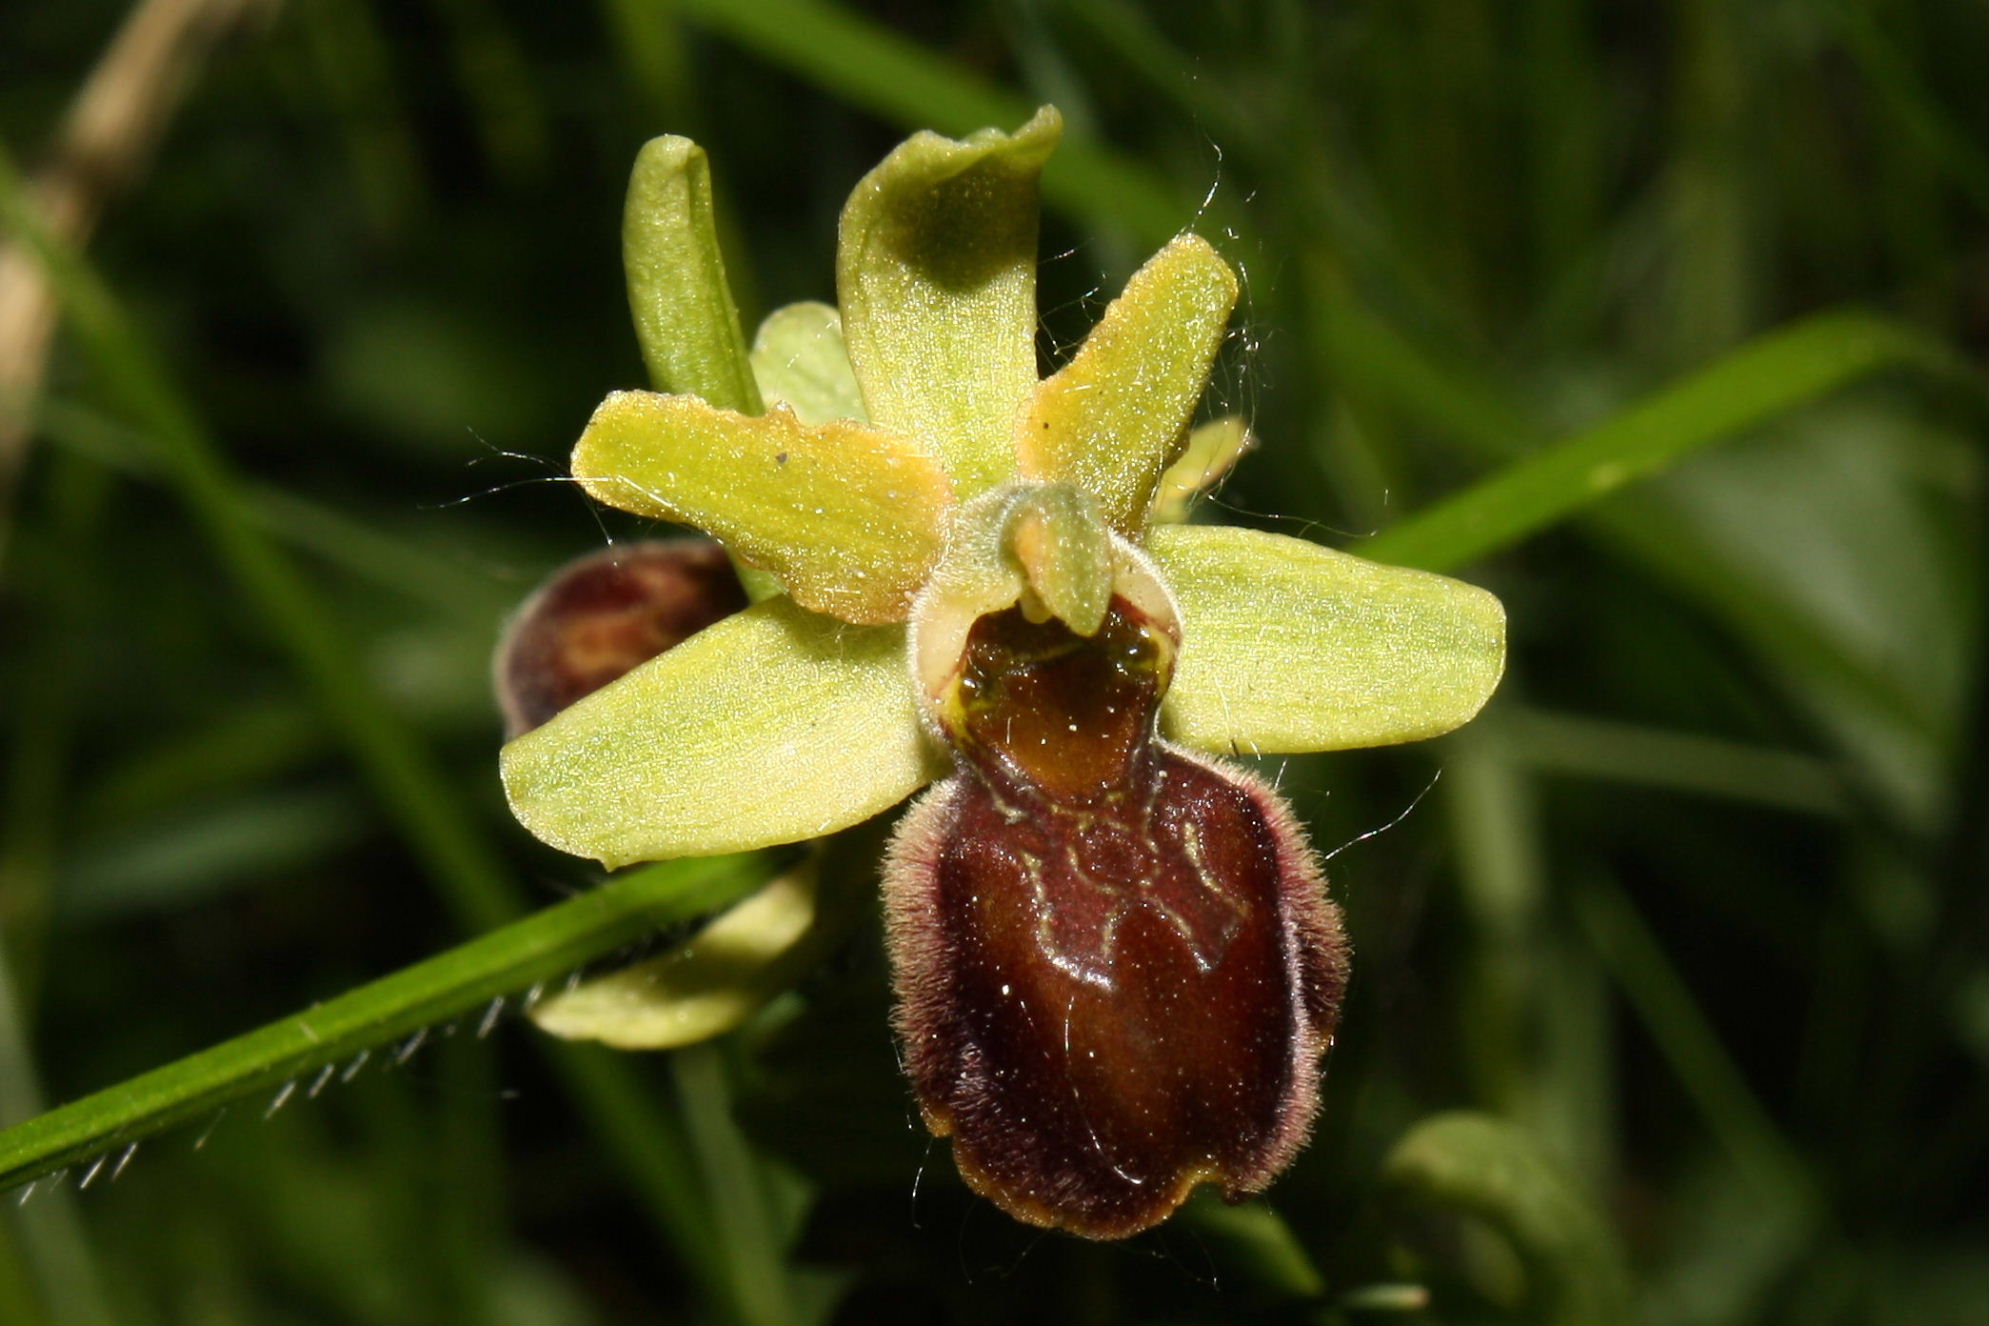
[544,946]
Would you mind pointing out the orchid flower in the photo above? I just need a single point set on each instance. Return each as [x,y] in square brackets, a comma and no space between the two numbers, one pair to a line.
[1116,963]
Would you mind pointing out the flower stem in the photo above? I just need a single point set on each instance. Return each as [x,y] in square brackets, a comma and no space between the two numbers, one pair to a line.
[457,981]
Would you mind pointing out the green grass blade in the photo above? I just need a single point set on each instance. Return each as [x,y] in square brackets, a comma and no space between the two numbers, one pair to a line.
[745,1224]
[1765,378]
[460,980]
[1664,1002]
[651,1148]
[1903,96]
[50,1258]
[18,1300]
[366,551]
[870,66]
[1580,746]
[408,784]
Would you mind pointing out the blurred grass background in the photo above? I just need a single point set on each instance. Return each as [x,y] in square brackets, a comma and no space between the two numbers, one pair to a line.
[1697,906]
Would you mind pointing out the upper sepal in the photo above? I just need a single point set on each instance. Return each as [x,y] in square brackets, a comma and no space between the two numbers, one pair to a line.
[936,274]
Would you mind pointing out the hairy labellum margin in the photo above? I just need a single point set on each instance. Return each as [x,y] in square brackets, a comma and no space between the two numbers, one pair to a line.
[1116,964]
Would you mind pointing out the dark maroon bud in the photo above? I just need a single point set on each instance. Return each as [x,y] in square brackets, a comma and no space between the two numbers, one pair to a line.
[603,614]
[1117,968]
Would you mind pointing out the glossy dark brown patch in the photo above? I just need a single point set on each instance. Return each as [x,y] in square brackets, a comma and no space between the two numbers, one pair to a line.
[1116,964]
[606,613]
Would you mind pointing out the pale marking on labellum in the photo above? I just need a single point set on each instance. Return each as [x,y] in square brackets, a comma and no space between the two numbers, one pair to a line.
[1046,938]
[1191,842]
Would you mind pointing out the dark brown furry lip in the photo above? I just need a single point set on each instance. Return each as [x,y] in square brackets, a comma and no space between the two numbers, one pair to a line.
[1116,964]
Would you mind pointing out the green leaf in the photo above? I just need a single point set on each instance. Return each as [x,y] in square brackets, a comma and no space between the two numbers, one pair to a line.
[1485,1167]
[771,726]
[706,986]
[1288,646]
[801,362]
[1112,419]
[849,519]
[1254,1238]
[936,274]
[677,293]
[1762,379]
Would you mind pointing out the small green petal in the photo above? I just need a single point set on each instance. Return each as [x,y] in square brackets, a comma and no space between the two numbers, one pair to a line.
[704,988]
[772,726]
[1212,451]
[801,362]
[850,520]
[684,315]
[1287,646]
[936,274]
[1057,536]
[1111,419]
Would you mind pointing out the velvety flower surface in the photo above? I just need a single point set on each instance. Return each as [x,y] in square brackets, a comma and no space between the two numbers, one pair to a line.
[1116,963]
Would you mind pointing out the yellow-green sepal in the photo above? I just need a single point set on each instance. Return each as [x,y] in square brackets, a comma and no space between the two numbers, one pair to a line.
[936,276]
[771,726]
[801,362]
[708,985]
[1112,419]
[1287,646]
[848,519]
[685,319]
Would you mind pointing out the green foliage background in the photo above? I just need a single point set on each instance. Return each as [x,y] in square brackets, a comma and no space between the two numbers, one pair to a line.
[1695,909]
